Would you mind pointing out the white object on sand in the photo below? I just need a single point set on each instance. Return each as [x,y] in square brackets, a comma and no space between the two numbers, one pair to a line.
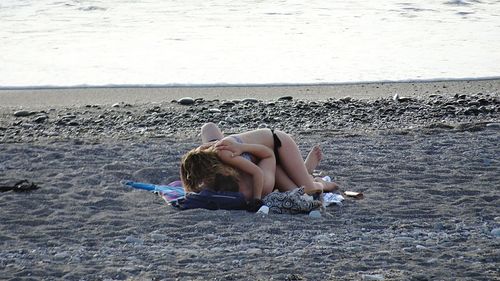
[264,210]
[332,198]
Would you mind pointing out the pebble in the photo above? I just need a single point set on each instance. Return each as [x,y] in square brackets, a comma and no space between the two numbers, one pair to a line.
[374,277]
[61,256]
[315,214]
[230,120]
[186,101]
[228,103]
[439,226]
[134,240]
[158,237]
[254,251]
[250,100]
[420,247]
[349,114]
[286,98]
[404,239]
[22,113]
[40,119]
[493,125]
[496,232]
[214,110]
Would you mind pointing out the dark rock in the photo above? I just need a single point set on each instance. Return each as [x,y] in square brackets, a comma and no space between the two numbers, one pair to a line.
[405,99]
[23,113]
[250,100]
[482,101]
[228,104]
[286,98]
[440,126]
[186,101]
[40,118]
[471,111]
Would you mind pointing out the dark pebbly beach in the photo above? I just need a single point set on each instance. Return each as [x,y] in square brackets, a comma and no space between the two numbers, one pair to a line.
[426,160]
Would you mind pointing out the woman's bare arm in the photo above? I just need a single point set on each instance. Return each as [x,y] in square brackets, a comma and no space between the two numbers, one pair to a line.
[257,150]
[246,166]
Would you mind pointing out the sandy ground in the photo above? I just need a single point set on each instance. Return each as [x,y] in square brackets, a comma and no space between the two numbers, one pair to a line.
[430,212]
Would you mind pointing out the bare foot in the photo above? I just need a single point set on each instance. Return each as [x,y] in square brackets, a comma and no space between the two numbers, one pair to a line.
[313,159]
[328,186]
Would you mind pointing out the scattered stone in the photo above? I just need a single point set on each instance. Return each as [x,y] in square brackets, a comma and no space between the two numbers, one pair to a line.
[228,104]
[439,226]
[420,247]
[159,237]
[230,120]
[493,125]
[286,98]
[186,101]
[116,105]
[460,113]
[263,126]
[61,256]
[214,110]
[294,277]
[254,251]
[315,214]
[496,232]
[405,239]
[250,100]
[374,277]
[404,99]
[22,113]
[40,118]
[134,240]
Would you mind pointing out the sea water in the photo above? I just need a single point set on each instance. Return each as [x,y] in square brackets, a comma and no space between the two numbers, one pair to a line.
[213,42]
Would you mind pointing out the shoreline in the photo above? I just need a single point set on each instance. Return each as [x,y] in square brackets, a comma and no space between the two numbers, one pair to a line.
[32,98]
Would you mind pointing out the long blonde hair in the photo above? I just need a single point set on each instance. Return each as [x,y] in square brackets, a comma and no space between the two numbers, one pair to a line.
[203,168]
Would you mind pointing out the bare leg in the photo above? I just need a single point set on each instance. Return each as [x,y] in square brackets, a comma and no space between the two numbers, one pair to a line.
[313,159]
[293,165]
[283,181]
[210,132]
[328,186]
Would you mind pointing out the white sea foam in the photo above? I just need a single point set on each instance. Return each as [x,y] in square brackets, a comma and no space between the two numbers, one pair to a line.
[102,42]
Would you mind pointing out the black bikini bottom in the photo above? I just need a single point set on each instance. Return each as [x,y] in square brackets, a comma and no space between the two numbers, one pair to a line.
[277,145]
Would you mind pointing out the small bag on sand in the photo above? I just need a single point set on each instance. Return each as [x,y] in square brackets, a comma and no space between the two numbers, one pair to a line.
[291,202]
